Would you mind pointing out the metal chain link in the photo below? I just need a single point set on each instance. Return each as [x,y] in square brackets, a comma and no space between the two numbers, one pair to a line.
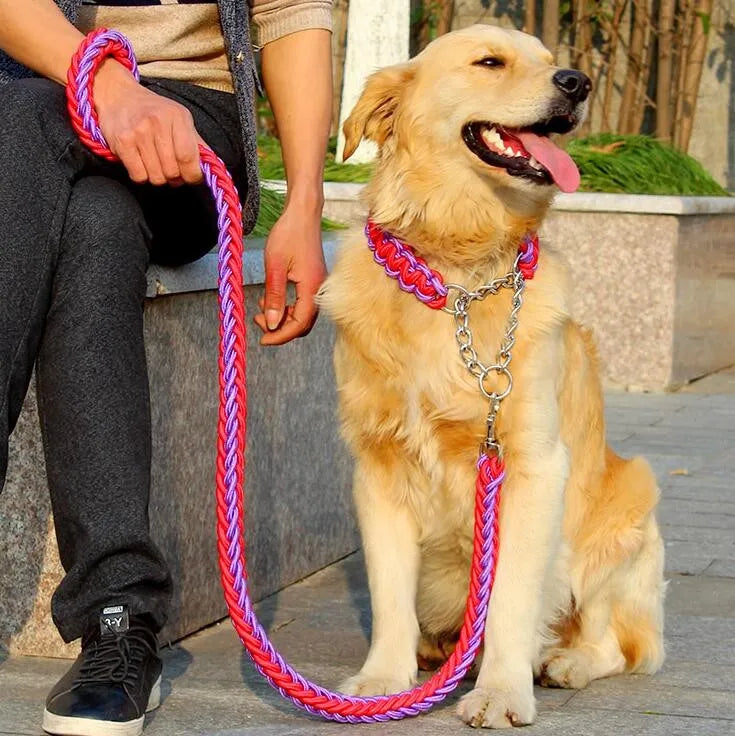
[463,334]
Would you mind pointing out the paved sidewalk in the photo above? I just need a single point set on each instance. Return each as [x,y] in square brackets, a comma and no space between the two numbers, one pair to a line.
[322,623]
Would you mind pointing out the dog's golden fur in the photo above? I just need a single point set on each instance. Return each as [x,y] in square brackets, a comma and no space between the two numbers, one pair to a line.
[578,591]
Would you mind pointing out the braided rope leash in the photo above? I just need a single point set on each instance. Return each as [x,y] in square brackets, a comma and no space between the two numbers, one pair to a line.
[311,697]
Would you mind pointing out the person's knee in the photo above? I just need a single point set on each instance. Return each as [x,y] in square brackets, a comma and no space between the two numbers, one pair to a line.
[105,231]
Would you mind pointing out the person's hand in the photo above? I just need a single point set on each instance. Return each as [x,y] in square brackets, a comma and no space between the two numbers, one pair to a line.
[293,252]
[154,137]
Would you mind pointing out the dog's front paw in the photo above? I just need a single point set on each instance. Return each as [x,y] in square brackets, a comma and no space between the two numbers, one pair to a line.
[364,683]
[570,669]
[497,707]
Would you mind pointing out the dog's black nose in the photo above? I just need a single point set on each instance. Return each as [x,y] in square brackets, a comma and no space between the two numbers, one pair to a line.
[575,85]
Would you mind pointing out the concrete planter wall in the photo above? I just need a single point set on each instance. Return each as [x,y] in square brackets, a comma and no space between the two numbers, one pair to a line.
[654,277]
[298,508]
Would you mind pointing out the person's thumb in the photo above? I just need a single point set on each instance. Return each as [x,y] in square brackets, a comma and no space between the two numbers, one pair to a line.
[276,281]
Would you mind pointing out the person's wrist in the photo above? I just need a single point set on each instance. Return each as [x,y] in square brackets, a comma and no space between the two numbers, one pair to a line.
[306,198]
[111,82]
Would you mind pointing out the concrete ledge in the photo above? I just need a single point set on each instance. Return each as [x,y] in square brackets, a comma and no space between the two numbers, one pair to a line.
[202,274]
[578,202]
[643,204]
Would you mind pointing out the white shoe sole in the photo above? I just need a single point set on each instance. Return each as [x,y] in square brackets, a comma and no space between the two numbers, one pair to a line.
[70,726]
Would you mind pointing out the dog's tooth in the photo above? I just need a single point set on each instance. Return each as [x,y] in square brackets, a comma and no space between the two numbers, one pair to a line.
[534,163]
[491,137]
[508,151]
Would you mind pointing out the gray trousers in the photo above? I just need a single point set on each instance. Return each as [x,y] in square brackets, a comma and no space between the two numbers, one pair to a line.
[76,237]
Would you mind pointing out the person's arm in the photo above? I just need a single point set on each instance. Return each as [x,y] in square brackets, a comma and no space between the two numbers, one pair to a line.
[36,33]
[297,73]
[154,137]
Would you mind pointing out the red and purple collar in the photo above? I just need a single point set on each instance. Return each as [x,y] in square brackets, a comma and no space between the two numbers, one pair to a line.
[416,277]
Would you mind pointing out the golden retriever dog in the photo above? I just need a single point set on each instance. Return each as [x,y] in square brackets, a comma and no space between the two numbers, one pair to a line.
[466,167]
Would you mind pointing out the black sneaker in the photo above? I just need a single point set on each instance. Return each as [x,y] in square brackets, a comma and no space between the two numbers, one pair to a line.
[113,683]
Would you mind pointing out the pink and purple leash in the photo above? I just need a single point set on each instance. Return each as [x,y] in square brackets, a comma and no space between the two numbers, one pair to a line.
[231,446]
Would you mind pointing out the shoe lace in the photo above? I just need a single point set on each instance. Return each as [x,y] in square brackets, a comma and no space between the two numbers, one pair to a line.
[116,658]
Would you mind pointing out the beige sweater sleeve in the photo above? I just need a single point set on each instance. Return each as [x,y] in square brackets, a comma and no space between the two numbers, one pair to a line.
[273,19]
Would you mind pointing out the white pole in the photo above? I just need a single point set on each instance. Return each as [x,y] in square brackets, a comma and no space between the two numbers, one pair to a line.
[377,36]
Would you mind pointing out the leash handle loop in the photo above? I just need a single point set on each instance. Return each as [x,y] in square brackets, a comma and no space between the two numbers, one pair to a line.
[95,48]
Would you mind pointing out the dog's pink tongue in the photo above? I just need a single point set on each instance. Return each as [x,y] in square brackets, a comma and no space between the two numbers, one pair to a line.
[558,162]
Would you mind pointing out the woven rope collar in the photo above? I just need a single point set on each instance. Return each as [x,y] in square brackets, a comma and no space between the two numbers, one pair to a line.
[416,277]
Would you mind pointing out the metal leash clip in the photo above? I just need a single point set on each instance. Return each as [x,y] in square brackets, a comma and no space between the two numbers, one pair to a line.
[463,335]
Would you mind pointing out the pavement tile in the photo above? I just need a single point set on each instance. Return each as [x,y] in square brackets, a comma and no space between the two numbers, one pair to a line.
[722,568]
[709,520]
[630,694]
[690,595]
[699,675]
[723,538]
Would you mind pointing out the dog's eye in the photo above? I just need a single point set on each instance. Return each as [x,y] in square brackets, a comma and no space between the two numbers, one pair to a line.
[491,61]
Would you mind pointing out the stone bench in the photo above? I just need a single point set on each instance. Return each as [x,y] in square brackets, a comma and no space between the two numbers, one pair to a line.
[653,276]
[298,508]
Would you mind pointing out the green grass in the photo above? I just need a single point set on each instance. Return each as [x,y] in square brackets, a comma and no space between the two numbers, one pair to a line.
[271,206]
[637,164]
[608,163]
[271,163]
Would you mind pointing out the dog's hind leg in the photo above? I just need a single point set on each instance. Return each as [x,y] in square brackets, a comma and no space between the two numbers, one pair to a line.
[638,616]
[618,586]
[591,651]
[390,543]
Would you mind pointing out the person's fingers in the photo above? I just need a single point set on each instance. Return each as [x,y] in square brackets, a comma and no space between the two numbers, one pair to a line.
[164,143]
[145,143]
[276,281]
[128,154]
[186,145]
[299,319]
[305,309]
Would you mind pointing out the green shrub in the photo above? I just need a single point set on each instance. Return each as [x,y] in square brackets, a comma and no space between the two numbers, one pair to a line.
[271,206]
[637,164]
[271,163]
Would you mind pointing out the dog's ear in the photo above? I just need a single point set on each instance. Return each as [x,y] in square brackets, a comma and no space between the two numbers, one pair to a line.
[372,116]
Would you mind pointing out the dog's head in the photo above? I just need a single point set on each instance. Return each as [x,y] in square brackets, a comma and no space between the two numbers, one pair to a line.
[474,113]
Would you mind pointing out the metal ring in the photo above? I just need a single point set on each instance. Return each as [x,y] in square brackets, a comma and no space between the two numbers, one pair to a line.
[495,395]
[462,292]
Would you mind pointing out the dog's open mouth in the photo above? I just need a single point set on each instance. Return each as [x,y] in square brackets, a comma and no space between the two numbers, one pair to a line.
[526,152]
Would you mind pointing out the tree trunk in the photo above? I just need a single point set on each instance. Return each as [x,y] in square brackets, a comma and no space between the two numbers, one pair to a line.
[446,16]
[339,43]
[550,25]
[684,38]
[529,17]
[633,73]
[582,50]
[664,74]
[436,20]
[693,73]
[642,99]
[582,37]
[613,32]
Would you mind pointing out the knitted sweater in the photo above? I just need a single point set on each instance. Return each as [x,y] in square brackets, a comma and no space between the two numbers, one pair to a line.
[182,39]
[272,19]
